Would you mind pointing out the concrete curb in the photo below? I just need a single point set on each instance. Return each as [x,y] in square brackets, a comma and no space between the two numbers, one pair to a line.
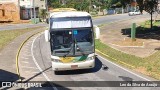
[18,52]
[114,59]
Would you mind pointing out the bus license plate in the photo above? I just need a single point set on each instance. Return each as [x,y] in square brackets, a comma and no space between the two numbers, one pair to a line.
[74,66]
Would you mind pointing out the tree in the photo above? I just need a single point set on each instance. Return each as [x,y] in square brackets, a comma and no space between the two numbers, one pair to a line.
[43,14]
[141,5]
[150,6]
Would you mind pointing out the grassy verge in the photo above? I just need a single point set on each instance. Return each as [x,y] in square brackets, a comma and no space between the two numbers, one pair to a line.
[149,66]
[7,36]
[145,27]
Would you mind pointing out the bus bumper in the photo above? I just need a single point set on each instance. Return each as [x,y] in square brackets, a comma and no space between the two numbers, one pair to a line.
[72,66]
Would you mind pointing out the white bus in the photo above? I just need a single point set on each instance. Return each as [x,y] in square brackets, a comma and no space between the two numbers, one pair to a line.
[71,38]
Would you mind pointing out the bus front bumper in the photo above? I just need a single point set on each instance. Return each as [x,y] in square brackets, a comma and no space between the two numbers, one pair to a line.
[56,66]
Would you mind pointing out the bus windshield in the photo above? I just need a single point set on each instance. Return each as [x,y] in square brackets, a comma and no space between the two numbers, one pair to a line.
[72,42]
[70,22]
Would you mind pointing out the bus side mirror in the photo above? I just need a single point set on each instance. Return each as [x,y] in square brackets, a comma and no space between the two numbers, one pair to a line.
[97,31]
[47,21]
[47,35]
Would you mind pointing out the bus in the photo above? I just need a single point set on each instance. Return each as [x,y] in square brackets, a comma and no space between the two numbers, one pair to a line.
[72,41]
[62,9]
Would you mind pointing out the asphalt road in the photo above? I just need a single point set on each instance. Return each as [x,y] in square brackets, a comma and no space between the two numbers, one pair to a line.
[35,65]
[96,21]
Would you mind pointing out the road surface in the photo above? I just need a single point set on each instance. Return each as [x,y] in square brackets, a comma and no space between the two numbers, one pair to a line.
[35,65]
[96,21]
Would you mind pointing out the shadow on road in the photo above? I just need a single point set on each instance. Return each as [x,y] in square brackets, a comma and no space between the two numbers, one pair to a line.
[98,66]
[144,33]
[6,76]
[37,74]
[125,78]
[157,48]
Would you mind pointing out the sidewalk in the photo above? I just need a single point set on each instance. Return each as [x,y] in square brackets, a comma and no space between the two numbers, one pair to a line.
[113,33]
[8,57]
[20,26]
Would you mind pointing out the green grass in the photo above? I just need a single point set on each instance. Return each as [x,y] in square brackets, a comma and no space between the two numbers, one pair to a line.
[147,23]
[129,59]
[150,64]
[7,36]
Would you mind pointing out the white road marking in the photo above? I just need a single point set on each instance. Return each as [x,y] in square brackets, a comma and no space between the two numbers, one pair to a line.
[46,77]
[125,69]
[26,52]
[32,72]
[27,55]
[25,62]
[29,67]
[24,58]
[39,77]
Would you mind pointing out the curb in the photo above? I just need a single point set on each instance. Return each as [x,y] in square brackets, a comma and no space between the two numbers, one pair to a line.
[155,74]
[18,52]
[115,59]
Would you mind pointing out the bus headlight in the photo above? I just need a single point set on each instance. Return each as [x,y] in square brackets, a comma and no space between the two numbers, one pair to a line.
[90,58]
[56,60]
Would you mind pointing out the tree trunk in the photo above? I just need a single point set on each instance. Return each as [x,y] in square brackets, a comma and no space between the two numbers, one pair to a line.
[151,20]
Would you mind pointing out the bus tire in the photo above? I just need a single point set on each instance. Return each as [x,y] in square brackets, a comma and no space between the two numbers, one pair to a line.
[55,72]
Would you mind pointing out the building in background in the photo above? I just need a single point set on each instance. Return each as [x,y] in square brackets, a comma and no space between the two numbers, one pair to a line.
[9,10]
[26,8]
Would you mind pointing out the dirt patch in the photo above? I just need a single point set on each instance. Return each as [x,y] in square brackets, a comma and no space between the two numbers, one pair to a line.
[16,22]
[129,42]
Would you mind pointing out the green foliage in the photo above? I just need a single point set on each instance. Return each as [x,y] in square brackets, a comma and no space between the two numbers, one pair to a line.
[150,5]
[130,59]
[104,4]
[55,4]
[43,13]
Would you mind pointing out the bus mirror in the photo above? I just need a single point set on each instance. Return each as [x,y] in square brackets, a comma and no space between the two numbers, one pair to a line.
[46,35]
[47,21]
[97,32]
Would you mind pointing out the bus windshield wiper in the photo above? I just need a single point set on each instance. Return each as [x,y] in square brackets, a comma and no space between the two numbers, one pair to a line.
[82,52]
[69,50]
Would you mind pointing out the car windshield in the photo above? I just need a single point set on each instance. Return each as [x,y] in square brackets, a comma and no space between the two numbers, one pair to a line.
[72,42]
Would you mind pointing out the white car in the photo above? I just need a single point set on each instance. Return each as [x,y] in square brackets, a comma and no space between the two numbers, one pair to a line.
[134,13]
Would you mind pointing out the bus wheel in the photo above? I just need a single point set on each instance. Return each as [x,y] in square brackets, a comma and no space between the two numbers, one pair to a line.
[56,72]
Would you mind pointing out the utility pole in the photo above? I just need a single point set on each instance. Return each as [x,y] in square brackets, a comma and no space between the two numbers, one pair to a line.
[19,9]
[90,5]
[34,11]
[46,5]
[31,9]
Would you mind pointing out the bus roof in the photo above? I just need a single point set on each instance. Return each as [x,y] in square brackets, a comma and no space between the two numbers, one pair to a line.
[63,10]
[69,14]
